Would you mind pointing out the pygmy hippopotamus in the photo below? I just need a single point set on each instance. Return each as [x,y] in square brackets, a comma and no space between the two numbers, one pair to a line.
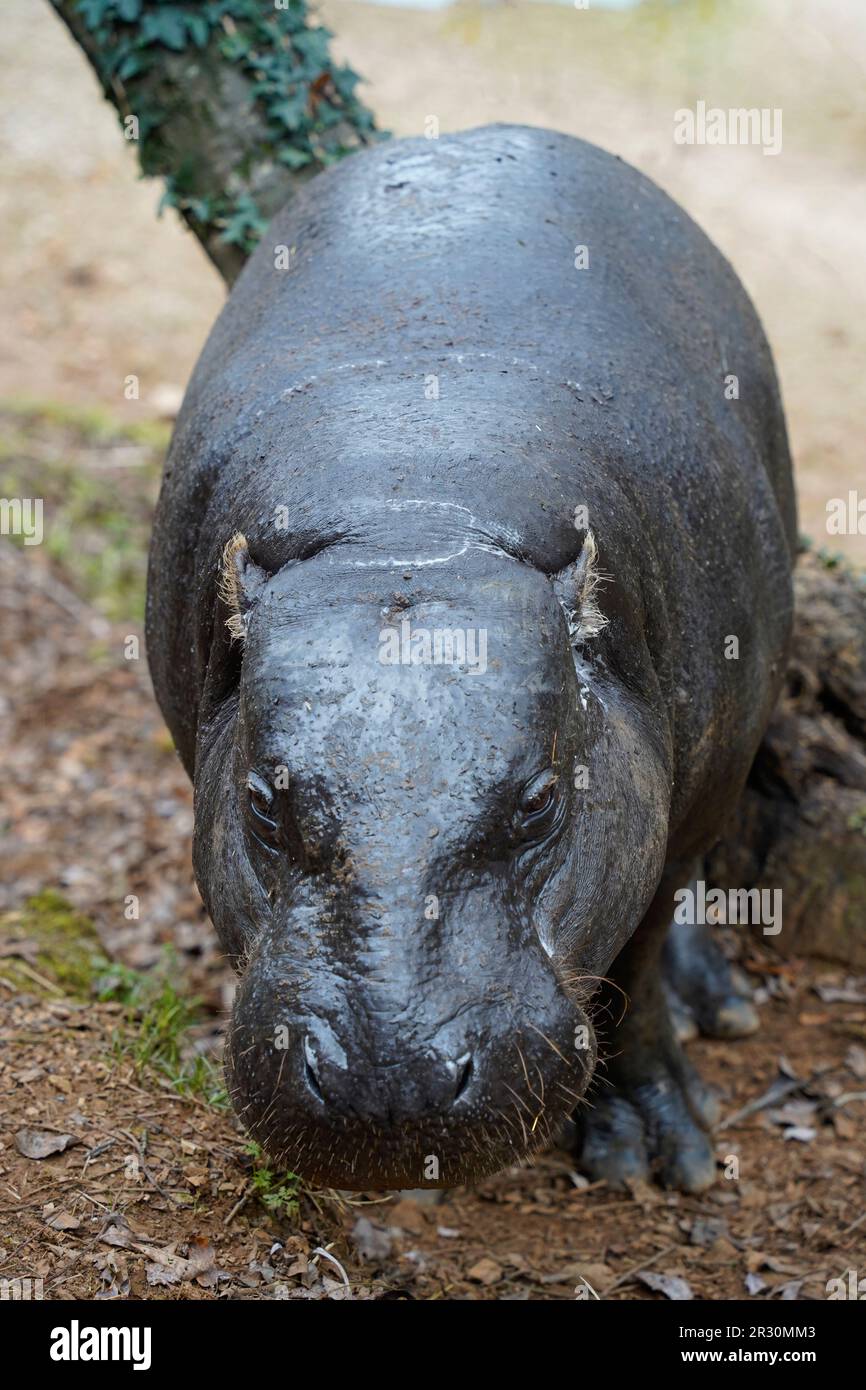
[469,598]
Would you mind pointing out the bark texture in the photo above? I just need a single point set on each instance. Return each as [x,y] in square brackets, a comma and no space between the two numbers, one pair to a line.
[233,102]
[801,823]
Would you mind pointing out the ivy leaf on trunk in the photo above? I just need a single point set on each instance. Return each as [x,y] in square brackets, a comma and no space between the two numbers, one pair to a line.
[232,102]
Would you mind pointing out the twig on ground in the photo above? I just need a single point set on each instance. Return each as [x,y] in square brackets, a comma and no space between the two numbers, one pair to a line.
[627,1274]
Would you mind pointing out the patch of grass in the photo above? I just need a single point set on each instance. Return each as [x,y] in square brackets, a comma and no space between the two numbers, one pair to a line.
[157,1021]
[830,559]
[61,955]
[92,424]
[279,1193]
[837,560]
[97,477]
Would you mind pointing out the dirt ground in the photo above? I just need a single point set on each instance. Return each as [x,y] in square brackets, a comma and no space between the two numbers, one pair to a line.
[150,1195]
[121,1170]
[122,1173]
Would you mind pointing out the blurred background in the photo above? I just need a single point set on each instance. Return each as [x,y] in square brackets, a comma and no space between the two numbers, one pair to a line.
[93,287]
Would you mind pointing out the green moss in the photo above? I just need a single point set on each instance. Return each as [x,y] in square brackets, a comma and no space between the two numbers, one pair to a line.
[62,956]
[62,950]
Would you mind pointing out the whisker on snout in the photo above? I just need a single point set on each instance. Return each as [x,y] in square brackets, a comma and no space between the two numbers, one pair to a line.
[550,1043]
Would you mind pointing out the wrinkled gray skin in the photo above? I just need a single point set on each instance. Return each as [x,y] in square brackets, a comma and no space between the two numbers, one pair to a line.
[422,913]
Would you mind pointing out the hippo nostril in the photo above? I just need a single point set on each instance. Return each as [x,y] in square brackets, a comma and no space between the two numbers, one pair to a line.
[463,1068]
[310,1070]
[313,1081]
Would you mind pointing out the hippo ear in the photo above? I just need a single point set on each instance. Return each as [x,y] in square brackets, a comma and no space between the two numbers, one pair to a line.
[577,588]
[241,582]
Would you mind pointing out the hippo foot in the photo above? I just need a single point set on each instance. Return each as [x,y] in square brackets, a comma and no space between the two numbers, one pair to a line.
[649,1113]
[649,1119]
[705,993]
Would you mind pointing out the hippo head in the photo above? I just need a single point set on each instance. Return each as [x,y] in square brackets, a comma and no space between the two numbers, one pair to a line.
[424,826]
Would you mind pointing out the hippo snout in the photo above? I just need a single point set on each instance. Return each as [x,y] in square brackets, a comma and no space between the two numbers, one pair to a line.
[420,1087]
[364,1099]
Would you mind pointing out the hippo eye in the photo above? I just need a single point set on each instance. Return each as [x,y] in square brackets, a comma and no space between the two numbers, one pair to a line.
[261,804]
[538,797]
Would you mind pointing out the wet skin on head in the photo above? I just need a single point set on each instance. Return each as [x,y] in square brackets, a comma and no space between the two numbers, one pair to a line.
[424,1044]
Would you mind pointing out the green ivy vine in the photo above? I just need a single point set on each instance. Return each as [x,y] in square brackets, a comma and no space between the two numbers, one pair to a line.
[310,115]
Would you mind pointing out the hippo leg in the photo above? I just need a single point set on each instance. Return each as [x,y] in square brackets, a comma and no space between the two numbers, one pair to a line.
[648,1114]
[705,993]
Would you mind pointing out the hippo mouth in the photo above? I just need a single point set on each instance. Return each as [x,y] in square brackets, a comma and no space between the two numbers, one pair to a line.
[412,1121]
[363,1157]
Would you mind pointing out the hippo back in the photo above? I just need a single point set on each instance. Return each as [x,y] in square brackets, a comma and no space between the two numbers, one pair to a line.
[514,323]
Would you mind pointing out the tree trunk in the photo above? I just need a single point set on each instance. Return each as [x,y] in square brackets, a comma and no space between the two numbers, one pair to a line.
[801,824]
[233,102]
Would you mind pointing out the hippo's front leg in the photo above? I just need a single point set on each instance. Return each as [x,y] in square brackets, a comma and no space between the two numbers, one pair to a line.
[648,1113]
[705,993]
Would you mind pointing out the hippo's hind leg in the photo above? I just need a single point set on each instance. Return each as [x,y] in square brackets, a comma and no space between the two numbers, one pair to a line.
[648,1114]
[705,993]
